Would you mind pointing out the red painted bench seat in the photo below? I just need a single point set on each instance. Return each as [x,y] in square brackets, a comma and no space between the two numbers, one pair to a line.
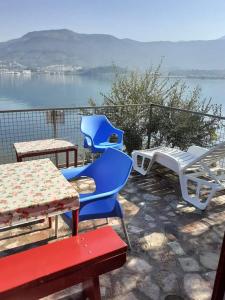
[44,270]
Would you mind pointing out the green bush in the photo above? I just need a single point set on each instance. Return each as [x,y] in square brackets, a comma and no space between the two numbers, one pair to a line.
[136,96]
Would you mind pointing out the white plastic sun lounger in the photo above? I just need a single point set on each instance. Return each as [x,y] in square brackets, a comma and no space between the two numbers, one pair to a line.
[197,167]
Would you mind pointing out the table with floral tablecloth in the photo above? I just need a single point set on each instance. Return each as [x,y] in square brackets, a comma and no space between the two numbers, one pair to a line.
[34,190]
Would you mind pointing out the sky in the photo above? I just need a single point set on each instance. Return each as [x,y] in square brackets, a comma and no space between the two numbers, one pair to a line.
[143,20]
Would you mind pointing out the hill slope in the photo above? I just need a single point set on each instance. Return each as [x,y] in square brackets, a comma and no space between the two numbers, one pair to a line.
[42,48]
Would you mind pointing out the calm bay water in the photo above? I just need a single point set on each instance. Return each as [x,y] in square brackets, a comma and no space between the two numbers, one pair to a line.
[38,91]
[49,91]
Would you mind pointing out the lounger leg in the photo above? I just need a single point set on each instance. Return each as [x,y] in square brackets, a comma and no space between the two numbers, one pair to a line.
[195,201]
[126,233]
[91,289]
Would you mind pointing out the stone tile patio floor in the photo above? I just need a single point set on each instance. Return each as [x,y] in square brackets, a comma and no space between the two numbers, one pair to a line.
[175,246]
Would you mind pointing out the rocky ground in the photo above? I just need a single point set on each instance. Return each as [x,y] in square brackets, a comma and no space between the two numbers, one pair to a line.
[175,247]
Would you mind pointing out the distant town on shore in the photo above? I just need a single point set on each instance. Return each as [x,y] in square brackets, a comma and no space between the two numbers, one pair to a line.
[16,69]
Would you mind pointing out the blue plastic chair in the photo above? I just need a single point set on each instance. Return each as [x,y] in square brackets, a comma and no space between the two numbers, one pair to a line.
[97,131]
[110,173]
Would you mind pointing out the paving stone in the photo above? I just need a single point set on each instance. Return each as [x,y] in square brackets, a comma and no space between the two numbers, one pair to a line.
[170,198]
[209,260]
[187,209]
[149,288]
[174,204]
[129,282]
[130,189]
[84,186]
[196,287]
[210,276]
[163,218]
[105,280]
[129,296]
[139,265]
[154,240]
[167,281]
[189,264]
[176,247]
[134,229]
[151,225]
[149,218]
[195,228]
[173,297]
[134,198]
[150,197]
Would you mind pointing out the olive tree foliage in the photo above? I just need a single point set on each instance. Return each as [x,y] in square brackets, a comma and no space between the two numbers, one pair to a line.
[135,102]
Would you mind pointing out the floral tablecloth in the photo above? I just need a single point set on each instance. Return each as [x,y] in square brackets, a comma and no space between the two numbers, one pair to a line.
[42,145]
[33,190]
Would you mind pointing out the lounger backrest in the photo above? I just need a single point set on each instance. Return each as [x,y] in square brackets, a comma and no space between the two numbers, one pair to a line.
[196,151]
[213,155]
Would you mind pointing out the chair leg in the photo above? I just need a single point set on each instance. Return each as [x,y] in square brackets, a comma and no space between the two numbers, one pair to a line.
[107,220]
[126,233]
[84,157]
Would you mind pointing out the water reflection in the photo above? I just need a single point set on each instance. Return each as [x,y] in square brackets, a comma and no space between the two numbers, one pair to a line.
[50,91]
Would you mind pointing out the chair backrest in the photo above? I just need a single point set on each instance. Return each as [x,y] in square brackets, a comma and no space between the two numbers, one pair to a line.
[97,127]
[111,170]
[213,155]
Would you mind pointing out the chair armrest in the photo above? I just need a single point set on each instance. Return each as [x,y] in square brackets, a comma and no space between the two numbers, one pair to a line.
[72,173]
[88,137]
[91,197]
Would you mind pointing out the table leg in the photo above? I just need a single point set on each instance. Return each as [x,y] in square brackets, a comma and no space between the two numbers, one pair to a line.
[75,157]
[50,222]
[75,220]
[56,160]
[18,158]
[56,226]
[67,159]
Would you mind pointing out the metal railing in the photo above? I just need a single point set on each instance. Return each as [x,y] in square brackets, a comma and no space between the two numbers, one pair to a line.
[144,125]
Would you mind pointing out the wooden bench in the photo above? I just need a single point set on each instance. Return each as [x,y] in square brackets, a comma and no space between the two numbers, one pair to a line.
[44,270]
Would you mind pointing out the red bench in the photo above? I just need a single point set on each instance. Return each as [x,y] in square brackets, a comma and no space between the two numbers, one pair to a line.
[44,270]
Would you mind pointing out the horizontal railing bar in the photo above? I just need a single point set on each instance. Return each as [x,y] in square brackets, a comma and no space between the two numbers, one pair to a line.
[110,107]
[188,111]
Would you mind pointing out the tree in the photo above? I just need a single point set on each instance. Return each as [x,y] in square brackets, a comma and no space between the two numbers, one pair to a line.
[153,111]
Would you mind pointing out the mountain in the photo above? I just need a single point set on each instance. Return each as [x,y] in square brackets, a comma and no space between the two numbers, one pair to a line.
[49,47]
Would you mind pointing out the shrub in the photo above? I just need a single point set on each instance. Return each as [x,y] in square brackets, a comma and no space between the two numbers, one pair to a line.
[138,98]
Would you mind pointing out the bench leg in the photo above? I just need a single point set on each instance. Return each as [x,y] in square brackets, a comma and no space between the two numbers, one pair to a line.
[91,289]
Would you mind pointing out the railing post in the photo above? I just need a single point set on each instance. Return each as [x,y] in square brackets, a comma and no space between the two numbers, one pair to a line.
[54,122]
[149,129]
